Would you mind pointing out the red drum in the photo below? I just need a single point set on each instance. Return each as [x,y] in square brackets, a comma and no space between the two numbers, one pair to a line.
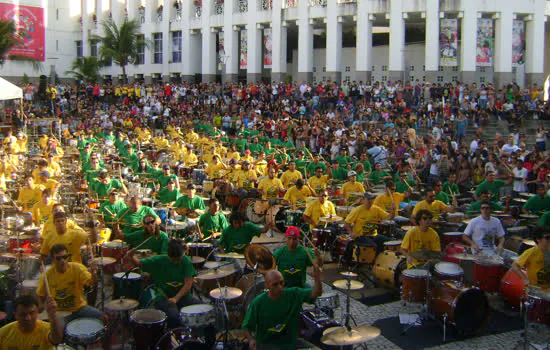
[185,172]
[322,238]
[512,288]
[340,245]
[538,310]
[26,243]
[487,274]
[387,269]
[233,200]
[414,285]
[465,308]
[450,237]
[452,249]
[114,249]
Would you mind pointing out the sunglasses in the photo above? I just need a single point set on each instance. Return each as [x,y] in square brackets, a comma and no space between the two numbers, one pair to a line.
[426,218]
[61,257]
[483,208]
[149,222]
[324,195]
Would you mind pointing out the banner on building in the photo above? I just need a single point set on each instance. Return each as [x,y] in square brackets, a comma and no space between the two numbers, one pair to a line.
[221,47]
[448,43]
[485,42]
[31,36]
[518,43]
[268,54]
[243,60]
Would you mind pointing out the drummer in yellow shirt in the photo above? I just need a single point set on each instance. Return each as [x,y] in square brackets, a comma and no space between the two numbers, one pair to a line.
[270,187]
[420,237]
[289,177]
[190,158]
[245,177]
[298,194]
[319,208]
[216,168]
[390,198]
[42,210]
[352,188]
[30,194]
[533,260]
[319,181]
[430,203]
[72,238]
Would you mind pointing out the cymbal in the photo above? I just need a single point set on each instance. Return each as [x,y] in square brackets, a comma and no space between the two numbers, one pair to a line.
[104,261]
[121,304]
[348,274]
[340,336]
[343,284]
[465,256]
[227,293]
[258,254]
[329,219]
[217,273]
[426,255]
[197,259]
[213,264]
[231,256]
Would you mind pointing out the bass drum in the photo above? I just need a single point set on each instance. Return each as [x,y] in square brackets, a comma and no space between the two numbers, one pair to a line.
[247,209]
[180,339]
[387,269]
[465,308]
[271,215]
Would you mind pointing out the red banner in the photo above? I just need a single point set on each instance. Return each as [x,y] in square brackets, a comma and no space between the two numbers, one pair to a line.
[30,28]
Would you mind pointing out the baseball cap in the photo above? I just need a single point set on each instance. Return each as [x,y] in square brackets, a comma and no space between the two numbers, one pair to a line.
[292,231]
[112,190]
[352,173]
[45,173]
[191,186]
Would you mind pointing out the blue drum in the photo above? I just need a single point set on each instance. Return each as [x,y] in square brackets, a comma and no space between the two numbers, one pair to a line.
[162,213]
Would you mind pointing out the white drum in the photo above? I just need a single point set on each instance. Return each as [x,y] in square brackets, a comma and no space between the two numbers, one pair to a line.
[84,331]
[329,300]
[449,271]
[29,287]
[200,315]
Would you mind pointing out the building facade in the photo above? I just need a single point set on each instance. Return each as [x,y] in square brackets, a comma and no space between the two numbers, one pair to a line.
[462,40]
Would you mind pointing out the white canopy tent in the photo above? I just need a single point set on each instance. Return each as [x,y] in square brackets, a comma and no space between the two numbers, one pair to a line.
[9,91]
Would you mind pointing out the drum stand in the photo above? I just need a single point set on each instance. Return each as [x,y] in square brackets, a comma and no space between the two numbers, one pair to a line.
[525,344]
[423,314]
[224,337]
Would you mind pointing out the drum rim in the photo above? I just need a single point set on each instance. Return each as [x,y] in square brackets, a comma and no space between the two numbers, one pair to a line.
[129,277]
[140,311]
[425,273]
[88,320]
[209,307]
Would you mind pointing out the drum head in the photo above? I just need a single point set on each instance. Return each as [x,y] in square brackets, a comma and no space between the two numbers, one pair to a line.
[84,326]
[472,311]
[448,269]
[415,273]
[148,316]
[196,309]
[130,276]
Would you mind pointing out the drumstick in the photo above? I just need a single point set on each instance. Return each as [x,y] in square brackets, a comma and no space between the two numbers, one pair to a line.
[91,248]
[142,243]
[45,280]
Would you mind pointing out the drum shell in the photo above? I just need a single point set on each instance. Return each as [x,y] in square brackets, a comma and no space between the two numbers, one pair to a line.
[233,200]
[512,288]
[312,325]
[84,338]
[30,266]
[115,250]
[387,269]
[487,276]
[127,285]
[198,315]
[148,325]
[414,285]
[29,287]
[452,249]
[445,272]
[538,310]
[364,253]
[518,244]
[340,245]
[465,308]
[322,238]
[393,245]
[329,300]
[450,237]
[208,185]
[25,243]
[199,249]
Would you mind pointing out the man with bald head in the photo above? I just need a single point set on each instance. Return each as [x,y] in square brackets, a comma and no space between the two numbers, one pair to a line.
[272,319]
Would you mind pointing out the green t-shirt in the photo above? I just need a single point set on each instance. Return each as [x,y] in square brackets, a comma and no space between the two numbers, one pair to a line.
[169,277]
[545,219]
[310,168]
[212,223]
[537,205]
[192,203]
[158,245]
[343,160]
[340,174]
[443,197]
[131,222]
[377,177]
[102,189]
[293,265]
[493,188]
[475,208]
[166,196]
[255,148]
[112,210]
[450,188]
[301,165]
[236,240]
[276,322]
[163,180]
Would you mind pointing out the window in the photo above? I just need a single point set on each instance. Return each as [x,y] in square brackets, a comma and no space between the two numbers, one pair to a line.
[423,67]
[140,49]
[314,69]
[157,48]
[373,68]
[384,77]
[482,79]
[348,78]
[57,45]
[324,69]
[455,69]
[79,49]
[411,68]
[384,69]
[325,78]
[176,46]
[411,78]
[314,79]
[439,78]
[93,48]
[454,79]
[440,69]
[482,69]
[348,69]
[424,78]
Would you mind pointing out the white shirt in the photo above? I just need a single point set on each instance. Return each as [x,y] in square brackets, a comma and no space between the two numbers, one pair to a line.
[519,186]
[484,232]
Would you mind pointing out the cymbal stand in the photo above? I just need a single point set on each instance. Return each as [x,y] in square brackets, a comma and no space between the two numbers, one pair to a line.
[101,281]
[347,316]
[224,337]
[525,344]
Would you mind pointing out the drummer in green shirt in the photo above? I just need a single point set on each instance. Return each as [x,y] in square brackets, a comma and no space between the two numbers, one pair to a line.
[378,176]
[112,208]
[169,194]
[239,234]
[132,219]
[475,208]
[150,236]
[104,184]
[492,185]
[190,203]
[538,204]
[213,221]
[314,164]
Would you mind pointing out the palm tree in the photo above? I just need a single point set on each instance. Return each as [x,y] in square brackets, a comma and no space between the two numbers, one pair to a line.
[8,38]
[85,69]
[121,44]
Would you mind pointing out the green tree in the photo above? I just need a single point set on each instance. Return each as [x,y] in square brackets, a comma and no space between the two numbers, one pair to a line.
[121,44]
[8,38]
[85,69]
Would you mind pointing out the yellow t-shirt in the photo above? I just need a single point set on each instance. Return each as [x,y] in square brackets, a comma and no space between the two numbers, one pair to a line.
[49,227]
[214,171]
[416,240]
[348,188]
[261,168]
[242,178]
[436,208]
[289,178]
[72,239]
[318,183]
[11,337]
[296,196]
[234,155]
[29,197]
[270,187]
[190,159]
[384,201]
[41,212]
[533,260]
[51,184]
[66,288]
[316,210]
[365,220]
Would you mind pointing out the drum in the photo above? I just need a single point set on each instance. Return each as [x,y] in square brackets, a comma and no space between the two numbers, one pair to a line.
[393,245]
[364,253]
[387,228]
[450,237]
[208,186]
[538,310]
[414,285]
[114,249]
[29,287]
[148,326]
[463,307]
[512,288]
[233,200]
[26,243]
[322,238]
[387,269]
[205,286]
[199,315]
[448,271]
[162,214]
[340,245]
[312,325]
[147,201]
[185,172]
[30,266]
[329,300]
[343,210]
[180,339]
[84,331]
[200,249]
[261,206]
[127,285]
[247,208]
[252,285]
[294,218]
[198,262]
[487,274]
[518,244]
[521,231]
[92,204]
[271,214]
[453,249]
[198,176]
[455,217]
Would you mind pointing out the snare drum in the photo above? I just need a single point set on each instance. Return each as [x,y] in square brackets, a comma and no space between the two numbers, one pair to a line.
[393,245]
[450,237]
[329,300]
[148,326]
[448,271]
[512,288]
[522,231]
[25,242]
[538,310]
[340,245]
[387,269]
[127,285]
[30,266]
[84,331]
[322,238]
[463,307]
[200,249]
[414,285]
[294,218]
[455,217]
[29,287]
[114,249]
[487,274]
[199,315]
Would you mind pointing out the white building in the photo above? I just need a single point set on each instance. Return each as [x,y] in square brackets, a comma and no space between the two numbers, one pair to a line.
[186,39]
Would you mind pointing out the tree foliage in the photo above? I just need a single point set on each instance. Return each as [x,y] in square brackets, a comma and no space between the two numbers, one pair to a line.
[85,69]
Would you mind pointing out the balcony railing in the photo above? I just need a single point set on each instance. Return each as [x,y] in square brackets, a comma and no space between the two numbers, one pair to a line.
[218,7]
[291,3]
[265,5]
[242,6]
[317,3]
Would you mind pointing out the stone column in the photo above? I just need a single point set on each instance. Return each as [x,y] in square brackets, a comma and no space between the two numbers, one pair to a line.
[255,53]
[305,43]
[396,69]
[231,44]
[432,40]
[279,35]
[503,47]
[208,43]
[468,44]
[188,54]
[334,43]
[363,54]
[534,44]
